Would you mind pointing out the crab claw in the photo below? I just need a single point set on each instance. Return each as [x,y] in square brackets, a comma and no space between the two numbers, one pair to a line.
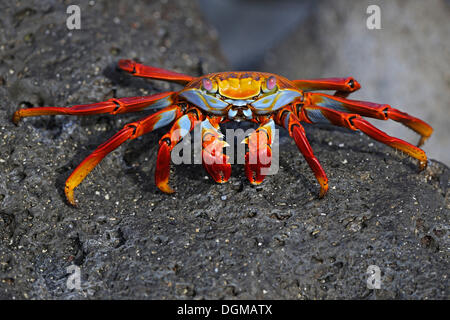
[162,170]
[215,162]
[258,159]
[217,166]
[257,162]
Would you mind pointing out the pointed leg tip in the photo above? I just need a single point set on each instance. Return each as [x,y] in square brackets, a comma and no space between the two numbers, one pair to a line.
[423,165]
[16,118]
[422,141]
[164,187]
[70,197]
[323,191]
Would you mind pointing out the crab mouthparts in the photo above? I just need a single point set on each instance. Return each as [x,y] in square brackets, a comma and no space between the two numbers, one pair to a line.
[239,103]
[239,113]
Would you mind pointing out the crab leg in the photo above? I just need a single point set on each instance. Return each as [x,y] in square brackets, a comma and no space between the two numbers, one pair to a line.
[140,70]
[372,110]
[214,160]
[129,131]
[315,114]
[259,156]
[289,121]
[180,129]
[343,86]
[112,106]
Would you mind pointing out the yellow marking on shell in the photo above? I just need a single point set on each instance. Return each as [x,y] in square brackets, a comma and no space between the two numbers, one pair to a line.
[235,88]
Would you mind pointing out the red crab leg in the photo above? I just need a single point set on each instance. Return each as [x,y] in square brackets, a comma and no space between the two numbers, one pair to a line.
[180,129]
[343,86]
[315,114]
[129,131]
[259,156]
[214,160]
[372,110]
[112,106]
[289,121]
[140,70]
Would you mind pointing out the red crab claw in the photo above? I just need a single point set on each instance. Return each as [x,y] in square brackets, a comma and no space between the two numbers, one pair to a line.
[258,159]
[255,171]
[215,162]
[162,170]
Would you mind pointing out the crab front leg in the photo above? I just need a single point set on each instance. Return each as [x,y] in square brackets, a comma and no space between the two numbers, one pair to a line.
[315,114]
[372,110]
[180,129]
[214,160]
[290,122]
[258,159]
[129,131]
[343,86]
[140,70]
[112,106]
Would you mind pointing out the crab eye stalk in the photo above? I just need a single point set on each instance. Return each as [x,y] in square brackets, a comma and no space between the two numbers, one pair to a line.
[208,85]
[271,83]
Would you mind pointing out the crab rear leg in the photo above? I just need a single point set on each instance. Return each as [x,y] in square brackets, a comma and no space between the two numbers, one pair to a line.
[289,121]
[130,131]
[180,129]
[214,160]
[315,114]
[140,70]
[112,106]
[258,159]
[372,110]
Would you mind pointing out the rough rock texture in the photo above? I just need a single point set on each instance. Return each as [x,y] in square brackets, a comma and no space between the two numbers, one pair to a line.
[207,240]
[403,64]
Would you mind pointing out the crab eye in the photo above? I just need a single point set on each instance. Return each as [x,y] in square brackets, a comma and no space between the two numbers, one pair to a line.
[271,83]
[351,83]
[207,84]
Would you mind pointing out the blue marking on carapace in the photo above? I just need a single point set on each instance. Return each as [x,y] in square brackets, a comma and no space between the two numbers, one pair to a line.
[161,103]
[166,118]
[185,125]
[332,104]
[204,101]
[275,101]
[316,116]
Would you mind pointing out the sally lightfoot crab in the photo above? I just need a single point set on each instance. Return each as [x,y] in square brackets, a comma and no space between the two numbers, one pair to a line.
[263,98]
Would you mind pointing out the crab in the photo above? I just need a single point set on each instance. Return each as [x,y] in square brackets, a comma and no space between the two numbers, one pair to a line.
[263,98]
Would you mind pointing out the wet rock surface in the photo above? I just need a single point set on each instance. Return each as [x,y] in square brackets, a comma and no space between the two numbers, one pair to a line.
[231,241]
